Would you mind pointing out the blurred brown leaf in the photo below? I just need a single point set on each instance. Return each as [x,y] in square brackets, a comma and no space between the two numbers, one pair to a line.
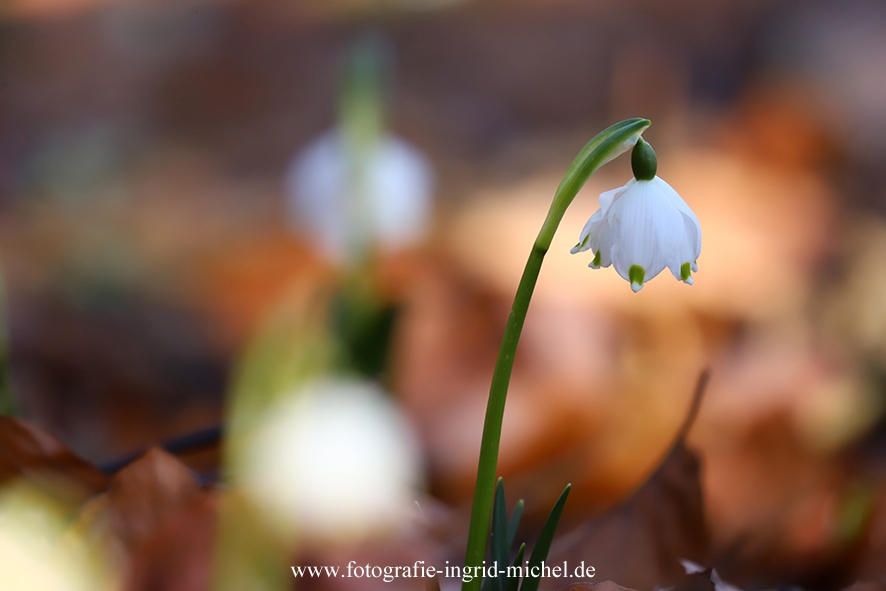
[157,521]
[144,494]
[29,452]
[868,561]
[640,543]
[178,555]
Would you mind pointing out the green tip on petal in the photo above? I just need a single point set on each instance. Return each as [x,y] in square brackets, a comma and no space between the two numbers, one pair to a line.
[685,271]
[596,262]
[643,161]
[580,245]
[636,275]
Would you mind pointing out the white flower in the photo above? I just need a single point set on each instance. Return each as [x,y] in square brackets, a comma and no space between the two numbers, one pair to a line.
[39,551]
[347,199]
[642,228]
[336,460]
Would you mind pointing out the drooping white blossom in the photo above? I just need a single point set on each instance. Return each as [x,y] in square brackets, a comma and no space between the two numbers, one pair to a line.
[643,228]
[40,551]
[336,460]
[347,199]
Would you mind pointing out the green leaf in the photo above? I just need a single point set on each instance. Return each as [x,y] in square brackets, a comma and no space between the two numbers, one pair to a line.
[500,539]
[543,545]
[365,328]
[514,523]
[513,582]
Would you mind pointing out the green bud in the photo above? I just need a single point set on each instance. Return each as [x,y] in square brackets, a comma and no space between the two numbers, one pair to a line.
[643,161]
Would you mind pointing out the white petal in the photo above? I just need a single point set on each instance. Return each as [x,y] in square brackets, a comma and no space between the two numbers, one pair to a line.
[649,230]
[692,221]
[607,197]
[687,252]
[584,241]
[596,236]
[317,192]
[601,243]
[400,193]
[596,232]
[692,568]
[690,247]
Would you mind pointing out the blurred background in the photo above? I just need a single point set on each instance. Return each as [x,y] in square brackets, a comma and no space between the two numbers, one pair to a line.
[171,173]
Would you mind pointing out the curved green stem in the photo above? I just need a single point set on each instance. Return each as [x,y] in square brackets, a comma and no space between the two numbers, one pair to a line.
[604,147]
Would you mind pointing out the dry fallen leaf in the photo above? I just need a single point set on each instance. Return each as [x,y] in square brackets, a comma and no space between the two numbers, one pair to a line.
[144,494]
[640,543]
[867,561]
[177,556]
[157,522]
[29,452]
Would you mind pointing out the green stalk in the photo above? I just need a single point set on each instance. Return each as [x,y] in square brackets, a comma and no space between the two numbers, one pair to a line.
[608,144]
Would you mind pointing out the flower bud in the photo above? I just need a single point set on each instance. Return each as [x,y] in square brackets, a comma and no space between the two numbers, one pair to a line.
[643,161]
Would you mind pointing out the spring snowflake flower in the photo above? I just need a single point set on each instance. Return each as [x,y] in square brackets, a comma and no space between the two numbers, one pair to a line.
[336,460]
[643,227]
[346,199]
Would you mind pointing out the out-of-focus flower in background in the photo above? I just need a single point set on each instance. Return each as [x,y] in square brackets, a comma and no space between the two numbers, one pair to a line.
[334,461]
[358,186]
[346,200]
[37,553]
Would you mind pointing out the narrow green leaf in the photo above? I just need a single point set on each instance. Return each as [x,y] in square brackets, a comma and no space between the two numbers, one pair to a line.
[513,582]
[489,584]
[500,544]
[514,523]
[543,545]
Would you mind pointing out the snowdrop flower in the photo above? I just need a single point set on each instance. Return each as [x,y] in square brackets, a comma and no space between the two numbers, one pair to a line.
[643,227]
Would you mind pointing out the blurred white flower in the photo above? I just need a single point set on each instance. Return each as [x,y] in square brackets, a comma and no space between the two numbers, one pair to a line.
[348,197]
[643,227]
[38,553]
[336,460]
